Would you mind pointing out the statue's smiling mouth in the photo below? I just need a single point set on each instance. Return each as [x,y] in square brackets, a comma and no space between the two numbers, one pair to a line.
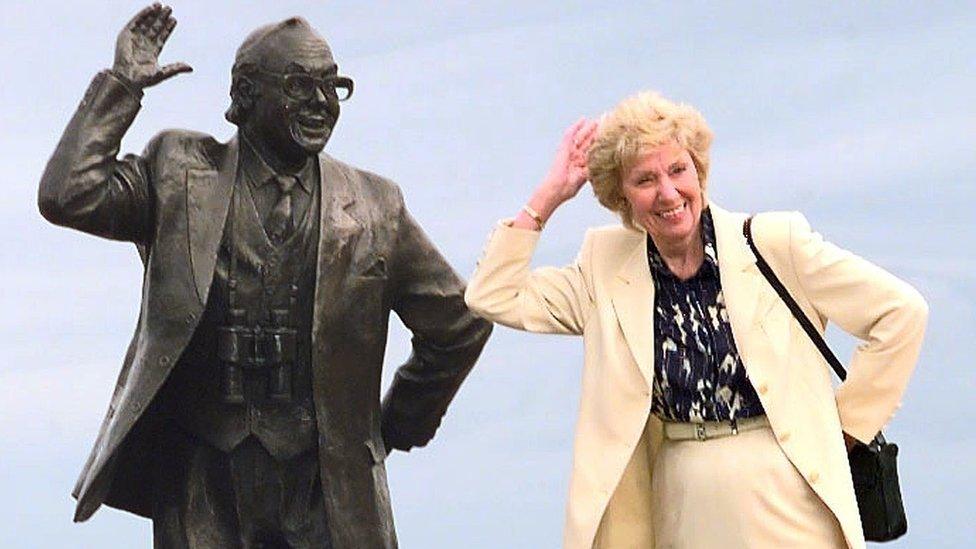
[313,123]
[311,129]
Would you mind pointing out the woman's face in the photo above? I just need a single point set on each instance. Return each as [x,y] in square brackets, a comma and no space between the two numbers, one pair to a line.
[664,195]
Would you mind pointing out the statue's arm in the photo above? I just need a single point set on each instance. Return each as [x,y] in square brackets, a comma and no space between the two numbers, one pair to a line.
[428,297]
[84,185]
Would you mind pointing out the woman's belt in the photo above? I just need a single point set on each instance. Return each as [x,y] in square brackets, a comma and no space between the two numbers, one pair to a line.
[712,429]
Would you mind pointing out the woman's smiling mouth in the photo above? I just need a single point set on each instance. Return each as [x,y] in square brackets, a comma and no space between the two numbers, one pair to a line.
[673,212]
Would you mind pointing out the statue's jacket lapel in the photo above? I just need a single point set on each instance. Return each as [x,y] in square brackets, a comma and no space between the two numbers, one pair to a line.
[208,196]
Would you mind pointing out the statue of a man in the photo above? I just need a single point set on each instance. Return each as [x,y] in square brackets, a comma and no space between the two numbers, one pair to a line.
[247,412]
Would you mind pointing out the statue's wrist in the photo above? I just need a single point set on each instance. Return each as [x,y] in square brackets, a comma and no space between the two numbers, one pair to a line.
[127,82]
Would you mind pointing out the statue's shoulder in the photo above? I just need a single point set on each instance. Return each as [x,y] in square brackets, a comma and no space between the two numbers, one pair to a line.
[185,146]
[365,185]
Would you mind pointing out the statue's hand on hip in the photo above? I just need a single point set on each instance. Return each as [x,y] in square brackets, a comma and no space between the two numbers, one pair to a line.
[138,45]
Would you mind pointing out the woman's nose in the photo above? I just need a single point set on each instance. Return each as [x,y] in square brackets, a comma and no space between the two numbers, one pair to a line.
[668,190]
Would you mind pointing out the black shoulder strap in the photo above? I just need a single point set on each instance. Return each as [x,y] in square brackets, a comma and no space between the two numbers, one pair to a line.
[791,303]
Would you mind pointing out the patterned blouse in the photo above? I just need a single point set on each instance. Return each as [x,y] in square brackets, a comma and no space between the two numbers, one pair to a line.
[698,375]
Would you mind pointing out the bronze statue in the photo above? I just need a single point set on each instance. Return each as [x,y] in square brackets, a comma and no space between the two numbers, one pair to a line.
[247,412]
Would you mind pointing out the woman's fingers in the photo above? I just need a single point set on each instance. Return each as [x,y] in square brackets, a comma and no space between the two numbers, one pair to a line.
[571,131]
[587,143]
[587,132]
[569,171]
[578,124]
[582,142]
[584,133]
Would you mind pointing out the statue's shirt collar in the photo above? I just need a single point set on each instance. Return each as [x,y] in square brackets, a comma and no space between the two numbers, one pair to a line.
[258,173]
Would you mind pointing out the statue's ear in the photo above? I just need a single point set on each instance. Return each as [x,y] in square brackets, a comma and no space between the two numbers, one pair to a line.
[245,92]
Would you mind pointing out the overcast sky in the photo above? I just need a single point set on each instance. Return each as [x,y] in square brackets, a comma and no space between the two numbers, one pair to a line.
[860,115]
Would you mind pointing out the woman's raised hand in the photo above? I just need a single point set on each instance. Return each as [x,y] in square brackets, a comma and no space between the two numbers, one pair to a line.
[566,176]
[568,172]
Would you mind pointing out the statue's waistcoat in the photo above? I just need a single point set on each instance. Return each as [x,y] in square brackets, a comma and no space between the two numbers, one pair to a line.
[267,277]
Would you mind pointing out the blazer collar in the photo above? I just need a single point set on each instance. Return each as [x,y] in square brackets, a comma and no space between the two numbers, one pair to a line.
[733,250]
[632,292]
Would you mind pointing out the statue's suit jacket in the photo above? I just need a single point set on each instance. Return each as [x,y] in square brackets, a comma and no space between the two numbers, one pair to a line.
[172,201]
[607,296]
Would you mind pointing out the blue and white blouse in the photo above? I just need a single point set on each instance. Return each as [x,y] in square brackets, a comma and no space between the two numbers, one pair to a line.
[698,375]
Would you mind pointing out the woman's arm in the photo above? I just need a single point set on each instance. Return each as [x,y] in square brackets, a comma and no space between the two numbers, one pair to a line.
[886,313]
[548,300]
[503,289]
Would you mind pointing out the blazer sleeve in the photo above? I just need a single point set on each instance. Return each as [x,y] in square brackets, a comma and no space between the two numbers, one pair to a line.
[84,186]
[503,289]
[886,313]
[428,296]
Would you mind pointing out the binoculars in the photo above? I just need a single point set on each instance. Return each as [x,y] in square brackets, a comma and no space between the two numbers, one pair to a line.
[270,349]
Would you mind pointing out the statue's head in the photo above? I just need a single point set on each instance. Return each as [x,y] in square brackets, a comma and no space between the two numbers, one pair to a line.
[285,88]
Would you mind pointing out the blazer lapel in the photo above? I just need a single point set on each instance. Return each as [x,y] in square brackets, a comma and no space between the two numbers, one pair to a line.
[208,193]
[632,295]
[748,296]
[338,229]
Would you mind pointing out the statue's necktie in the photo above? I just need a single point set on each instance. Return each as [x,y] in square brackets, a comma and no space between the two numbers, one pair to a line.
[278,223]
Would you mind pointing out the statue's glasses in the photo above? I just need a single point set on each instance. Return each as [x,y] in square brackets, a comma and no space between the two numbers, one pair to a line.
[302,86]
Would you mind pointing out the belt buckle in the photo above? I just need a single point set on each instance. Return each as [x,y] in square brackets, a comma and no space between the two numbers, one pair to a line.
[700,432]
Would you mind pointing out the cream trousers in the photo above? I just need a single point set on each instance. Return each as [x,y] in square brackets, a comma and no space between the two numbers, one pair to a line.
[737,491]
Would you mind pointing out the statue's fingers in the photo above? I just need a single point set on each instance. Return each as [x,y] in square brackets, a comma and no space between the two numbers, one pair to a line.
[134,22]
[159,22]
[137,19]
[167,30]
[142,20]
[172,70]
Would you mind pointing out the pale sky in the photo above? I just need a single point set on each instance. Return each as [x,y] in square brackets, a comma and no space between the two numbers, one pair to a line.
[860,115]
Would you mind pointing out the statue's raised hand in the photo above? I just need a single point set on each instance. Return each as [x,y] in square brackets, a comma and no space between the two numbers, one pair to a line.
[138,46]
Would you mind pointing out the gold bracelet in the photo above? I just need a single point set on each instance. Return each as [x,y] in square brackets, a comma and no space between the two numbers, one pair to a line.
[534,215]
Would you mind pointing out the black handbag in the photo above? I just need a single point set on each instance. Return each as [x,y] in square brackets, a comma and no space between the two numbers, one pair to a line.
[873,466]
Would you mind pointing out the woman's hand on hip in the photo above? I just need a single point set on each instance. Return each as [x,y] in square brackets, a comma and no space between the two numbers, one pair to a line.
[566,176]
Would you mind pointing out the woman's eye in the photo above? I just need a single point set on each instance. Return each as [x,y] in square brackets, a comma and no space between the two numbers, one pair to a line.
[678,169]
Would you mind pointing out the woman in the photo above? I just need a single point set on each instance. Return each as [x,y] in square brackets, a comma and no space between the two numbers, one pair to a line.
[708,418]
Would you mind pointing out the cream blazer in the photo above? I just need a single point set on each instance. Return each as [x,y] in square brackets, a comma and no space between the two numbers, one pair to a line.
[607,297]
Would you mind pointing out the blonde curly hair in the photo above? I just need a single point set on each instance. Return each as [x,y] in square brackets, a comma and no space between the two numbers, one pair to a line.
[638,123]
